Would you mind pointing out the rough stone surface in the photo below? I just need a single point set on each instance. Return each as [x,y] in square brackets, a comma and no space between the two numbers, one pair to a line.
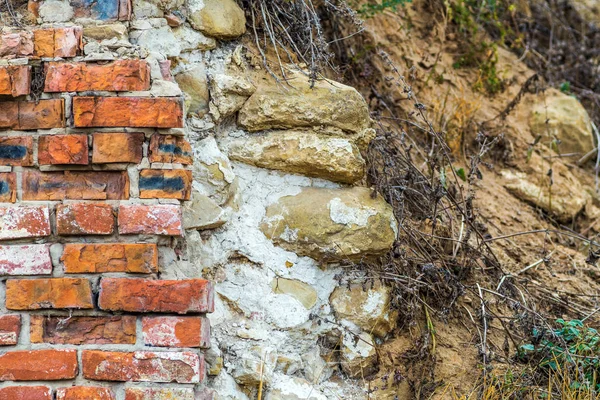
[256,365]
[302,152]
[289,388]
[165,184]
[202,213]
[38,365]
[160,394]
[358,355]
[16,150]
[15,80]
[117,257]
[229,91]
[301,291]
[170,149]
[194,84]
[105,32]
[222,19]
[35,294]
[332,224]
[32,259]
[85,219]
[56,11]
[24,115]
[82,330]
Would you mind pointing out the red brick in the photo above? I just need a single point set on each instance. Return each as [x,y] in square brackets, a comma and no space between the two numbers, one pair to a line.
[24,222]
[63,149]
[83,330]
[38,365]
[117,148]
[159,394]
[84,219]
[75,185]
[142,366]
[111,257]
[8,187]
[118,76]
[139,112]
[28,259]
[165,184]
[15,45]
[29,115]
[106,10]
[84,393]
[25,393]
[170,149]
[150,219]
[16,150]
[176,331]
[145,295]
[15,80]
[35,294]
[59,42]
[10,327]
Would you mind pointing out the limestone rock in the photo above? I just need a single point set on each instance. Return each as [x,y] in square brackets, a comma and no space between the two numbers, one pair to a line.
[194,84]
[255,365]
[301,291]
[167,5]
[190,39]
[202,213]
[369,309]
[286,387]
[327,104]
[564,199]
[302,152]
[589,10]
[358,355]
[160,40]
[143,9]
[222,19]
[213,174]
[228,93]
[56,11]
[316,369]
[105,32]
[567,120]
[332,224]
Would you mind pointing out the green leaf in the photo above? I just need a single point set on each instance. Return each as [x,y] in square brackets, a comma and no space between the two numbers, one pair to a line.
[443,177]
[461,174]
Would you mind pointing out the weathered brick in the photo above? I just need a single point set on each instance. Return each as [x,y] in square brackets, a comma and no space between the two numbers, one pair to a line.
[75,185]
[28,115]
[84,219]
[25,393]
[63,149]
[35,294]
[105,10]
[139,112]
[15,80]
[14,45]
[176,331]
[117,147]
[8,187]
[82,330]
[111,257]
[10,327]
[150,219]
[84,393]
[28,259]
[38,365]
[58,42]
[159,394]
[142,366]
[165,184]
[145,295]
[170,149]
[24,222]
[16,150]
[118,76]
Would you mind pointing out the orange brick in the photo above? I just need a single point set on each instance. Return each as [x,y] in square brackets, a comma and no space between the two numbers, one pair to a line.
[16,150]
[10,327]
[63,149]
[145,295]
[15,80]
[8,188]
[59,42]
[84,393]
[142,366]
[176,331]
[117,148]
[84,219]
[24,222]
[150,220]
[25,115]
[83,330]
[165,184]
[140,112]
[118,257]
[38,365]
[75,185]
[25,393]
[170,149]
[118,76]
[35,294]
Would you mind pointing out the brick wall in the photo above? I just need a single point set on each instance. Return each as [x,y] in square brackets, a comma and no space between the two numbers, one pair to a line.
[93,173]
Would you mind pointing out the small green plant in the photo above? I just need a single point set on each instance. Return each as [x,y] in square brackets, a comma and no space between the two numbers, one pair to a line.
[565,87]
[373,8]
[572,348]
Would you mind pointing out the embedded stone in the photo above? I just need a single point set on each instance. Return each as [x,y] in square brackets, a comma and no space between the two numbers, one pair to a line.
[38,365]
[117,148]
[302,152]
[63,149]
[16,45]
[229,91]
[222,19]
[299,290]
[255,365]
[55,11]
[104,10]
[110,257]
[35,294]
[202,213]
[332,224]
[82,330]
[10,328]
[358,356]
[194,84]
[116,31]
[188,38]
